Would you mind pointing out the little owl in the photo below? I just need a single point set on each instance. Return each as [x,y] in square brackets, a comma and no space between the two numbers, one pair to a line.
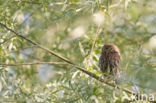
[109,61]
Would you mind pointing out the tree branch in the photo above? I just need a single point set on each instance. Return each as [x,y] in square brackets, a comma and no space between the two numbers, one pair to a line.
[7,39]
[35,63]
[18,50]
[51,4]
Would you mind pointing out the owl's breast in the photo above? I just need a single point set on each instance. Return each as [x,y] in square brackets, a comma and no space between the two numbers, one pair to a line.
[114,59]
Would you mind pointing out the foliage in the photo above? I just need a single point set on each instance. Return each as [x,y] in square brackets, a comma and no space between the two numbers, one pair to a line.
[75,29]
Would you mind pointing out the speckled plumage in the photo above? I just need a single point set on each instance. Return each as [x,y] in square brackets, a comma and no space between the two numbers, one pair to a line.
[109,61]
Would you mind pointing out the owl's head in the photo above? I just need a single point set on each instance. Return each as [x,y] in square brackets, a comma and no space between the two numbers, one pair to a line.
[108,48]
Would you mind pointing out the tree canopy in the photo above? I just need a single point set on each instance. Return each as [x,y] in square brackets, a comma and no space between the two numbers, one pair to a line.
[49,50]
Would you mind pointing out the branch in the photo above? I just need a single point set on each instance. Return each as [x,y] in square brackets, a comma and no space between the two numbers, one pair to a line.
[114,5]
[93,44]
[63,3]
[34,43]
[18,50]
[7,39]
[50,4]
[35,63]
[70,63]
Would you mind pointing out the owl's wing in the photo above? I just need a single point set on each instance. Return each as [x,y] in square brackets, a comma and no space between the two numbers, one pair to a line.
[103,63]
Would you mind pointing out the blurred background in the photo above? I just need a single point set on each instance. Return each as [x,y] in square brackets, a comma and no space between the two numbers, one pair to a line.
[77,30]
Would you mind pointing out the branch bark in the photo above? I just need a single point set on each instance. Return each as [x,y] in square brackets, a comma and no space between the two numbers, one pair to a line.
[35,63]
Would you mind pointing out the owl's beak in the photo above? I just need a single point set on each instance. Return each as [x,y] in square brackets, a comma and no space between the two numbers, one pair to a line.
[110,49]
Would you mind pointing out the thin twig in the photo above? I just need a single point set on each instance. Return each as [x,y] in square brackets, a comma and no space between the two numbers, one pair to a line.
[95,38]
[7,39]
[50,4]
[114,5]
[30,15]
[27,18]
[35,63]
[18,50]
[70,63]
[63,3]
[93,44]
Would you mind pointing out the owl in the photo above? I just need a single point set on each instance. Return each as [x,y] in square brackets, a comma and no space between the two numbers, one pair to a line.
[109,61]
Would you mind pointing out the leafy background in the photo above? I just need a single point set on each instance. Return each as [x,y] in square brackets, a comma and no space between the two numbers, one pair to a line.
[70,27]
